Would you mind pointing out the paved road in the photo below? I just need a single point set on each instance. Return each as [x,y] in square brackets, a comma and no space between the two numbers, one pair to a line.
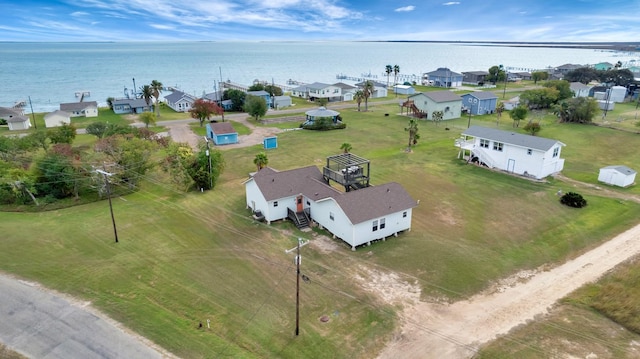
[40,324]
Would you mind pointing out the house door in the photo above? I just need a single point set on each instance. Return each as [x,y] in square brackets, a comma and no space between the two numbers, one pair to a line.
[511,165]
[299,207]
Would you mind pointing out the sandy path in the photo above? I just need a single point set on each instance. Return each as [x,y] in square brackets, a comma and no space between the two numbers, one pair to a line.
[455,331]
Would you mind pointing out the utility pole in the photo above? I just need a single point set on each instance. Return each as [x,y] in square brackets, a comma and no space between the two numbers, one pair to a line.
[298,289]
[33,116]
[106,181]
[206,139]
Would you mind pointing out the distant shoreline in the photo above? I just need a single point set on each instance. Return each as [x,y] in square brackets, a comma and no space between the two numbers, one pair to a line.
[613,46]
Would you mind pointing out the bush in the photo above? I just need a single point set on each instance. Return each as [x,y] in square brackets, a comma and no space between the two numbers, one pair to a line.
[573,199]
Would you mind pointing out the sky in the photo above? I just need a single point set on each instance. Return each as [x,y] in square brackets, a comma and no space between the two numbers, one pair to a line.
[320,20]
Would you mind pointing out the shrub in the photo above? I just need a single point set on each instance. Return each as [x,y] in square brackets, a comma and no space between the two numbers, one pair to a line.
[573,199]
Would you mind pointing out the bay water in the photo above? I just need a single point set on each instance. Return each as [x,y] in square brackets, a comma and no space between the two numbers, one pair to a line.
[54,73]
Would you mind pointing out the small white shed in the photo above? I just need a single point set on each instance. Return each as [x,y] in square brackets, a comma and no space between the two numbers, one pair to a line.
[57,118]
[404,89]
[621,176]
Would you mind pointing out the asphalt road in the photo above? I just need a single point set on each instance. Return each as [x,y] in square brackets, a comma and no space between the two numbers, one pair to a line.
[37,323]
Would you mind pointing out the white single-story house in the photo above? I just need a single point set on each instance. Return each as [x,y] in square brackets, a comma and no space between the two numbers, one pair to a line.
[57,118]
[357,217]
[621,176]
[404,89]
[379,89]
[579,89]
[222,133]
[446,101]
[526,155]
[15,119]
[80,109]
[180,101]
[318,90]
[281,102]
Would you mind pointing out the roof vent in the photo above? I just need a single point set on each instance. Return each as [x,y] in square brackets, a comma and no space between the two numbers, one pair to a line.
[388,190]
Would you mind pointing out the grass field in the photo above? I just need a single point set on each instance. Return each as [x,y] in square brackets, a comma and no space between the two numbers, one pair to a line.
[186,258]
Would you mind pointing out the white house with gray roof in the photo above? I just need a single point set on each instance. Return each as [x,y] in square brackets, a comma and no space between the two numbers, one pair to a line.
[618,175]
[357,217]
[180,101]
[80,109]
[526,155]
[579,89]
[15,119]
[318,90]
[446,101]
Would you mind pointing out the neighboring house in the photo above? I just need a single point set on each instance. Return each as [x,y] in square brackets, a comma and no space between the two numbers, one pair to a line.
[321,112]
[262,94]
[379,89]
[479,102]
[564,69]
[446,101]
[131,105]
[348,91]
[318,90]
[579,89]
[526,155]
[180,101]
[357,217]
[511,103]
[216,97]
[57,118]
[474,77]
[444,77]
[523,75]
[80,109]
[15,119]
[621,176]
[404,89]
[222,133]
[281,102]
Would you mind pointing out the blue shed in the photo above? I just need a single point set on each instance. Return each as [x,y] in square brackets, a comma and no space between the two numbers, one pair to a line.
[222,133]
[480,102]
[270,142]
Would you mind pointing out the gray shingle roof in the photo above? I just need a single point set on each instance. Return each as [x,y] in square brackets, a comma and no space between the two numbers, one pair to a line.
[442,96]
[482,95]
[258,93]
[222,128]
[322,112]
[476,72]
[359,206]
[132,102]
[621,169]
[443,72]
[575,86]
[516,139]
[177,95]
[78,106]
[315,86]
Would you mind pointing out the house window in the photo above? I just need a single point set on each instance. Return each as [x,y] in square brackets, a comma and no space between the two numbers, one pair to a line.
[375,225]
[308,203]
[404,214]
[555,151]
[275,203]
[484,143]
[497,146]
[382,223]
[331,216]
[529,151]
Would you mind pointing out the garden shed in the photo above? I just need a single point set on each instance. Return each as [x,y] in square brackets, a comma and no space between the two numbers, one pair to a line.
[404,89]
[222,133]
[621,176]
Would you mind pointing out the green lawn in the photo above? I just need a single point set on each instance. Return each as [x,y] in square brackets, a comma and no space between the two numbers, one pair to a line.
[185,258]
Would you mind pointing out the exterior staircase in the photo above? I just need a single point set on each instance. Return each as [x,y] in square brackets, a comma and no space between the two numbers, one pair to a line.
[300,219]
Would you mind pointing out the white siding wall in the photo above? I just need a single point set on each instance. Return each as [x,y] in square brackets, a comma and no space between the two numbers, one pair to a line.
[340,226]
[255,199]
[394,223]
[516,159]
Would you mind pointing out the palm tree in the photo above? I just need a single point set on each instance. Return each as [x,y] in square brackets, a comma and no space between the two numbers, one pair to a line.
[358,96]
[388,70]
[396,72]
[261,160]
[156,86]
[346,147]
[499,110]
[413,133]
[147,93]
[367,91]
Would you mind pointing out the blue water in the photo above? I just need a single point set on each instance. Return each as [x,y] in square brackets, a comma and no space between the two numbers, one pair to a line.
[51,73]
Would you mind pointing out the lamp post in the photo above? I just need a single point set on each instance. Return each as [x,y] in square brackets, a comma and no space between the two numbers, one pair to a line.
[209,157]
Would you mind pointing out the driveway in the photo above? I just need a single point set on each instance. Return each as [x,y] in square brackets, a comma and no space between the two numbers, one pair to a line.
[39,323]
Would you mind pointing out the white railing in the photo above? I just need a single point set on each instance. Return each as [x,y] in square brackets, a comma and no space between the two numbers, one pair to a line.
[484,157]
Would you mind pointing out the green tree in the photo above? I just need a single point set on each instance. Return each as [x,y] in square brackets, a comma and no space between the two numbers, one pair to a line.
[148,118]
[496,74]
[358,96]
[255,106]
[261,160]
[518,114]
[198,168]
[202,109]
[110,102]
[388,70]
[540,98]
[563,87]
[97,129]
[367,91]
[65,133]
[156,90]
[577,110]
[256,87]
[38,138]
[133,156]
[346,147]
[176,163]
[499,111]
[414,136]
[273,90]
[237,99]
[532,128]
[55,175]
[582,74]
[21,183]
[539,76]
[617,77]
[147,94]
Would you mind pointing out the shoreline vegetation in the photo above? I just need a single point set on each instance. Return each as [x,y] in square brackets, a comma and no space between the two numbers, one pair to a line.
[614,46]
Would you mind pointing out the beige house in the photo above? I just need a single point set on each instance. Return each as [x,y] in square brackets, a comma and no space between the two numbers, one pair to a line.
[446,101]
[80,109]
[57,118]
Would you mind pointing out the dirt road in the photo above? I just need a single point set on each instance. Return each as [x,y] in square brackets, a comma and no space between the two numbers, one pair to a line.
[432,330]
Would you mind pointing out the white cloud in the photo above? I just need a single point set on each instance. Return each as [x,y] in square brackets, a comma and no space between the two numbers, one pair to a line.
[405,8]
[79,14]
[451,3]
